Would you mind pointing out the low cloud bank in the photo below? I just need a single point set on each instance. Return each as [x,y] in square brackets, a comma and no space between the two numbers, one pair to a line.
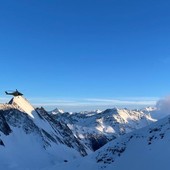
[164,105]
[163,108]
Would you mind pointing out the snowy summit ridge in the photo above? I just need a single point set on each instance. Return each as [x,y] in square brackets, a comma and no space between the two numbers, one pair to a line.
[21,103]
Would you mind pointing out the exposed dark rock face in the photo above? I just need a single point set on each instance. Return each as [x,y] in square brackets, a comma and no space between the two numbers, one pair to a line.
[4,127]
[1,143]
[97,141]
[66,135]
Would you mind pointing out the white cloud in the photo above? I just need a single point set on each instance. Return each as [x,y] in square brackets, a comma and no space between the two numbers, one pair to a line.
[135,101]
[164,105]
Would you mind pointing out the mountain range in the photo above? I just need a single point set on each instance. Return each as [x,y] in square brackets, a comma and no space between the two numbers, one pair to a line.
[32,138]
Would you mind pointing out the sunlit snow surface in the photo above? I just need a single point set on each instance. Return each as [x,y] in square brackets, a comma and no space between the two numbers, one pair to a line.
[144,149]
[24,105]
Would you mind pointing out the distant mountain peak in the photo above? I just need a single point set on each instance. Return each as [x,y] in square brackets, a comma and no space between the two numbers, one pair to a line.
[149,109]
[98,111]
[56,111]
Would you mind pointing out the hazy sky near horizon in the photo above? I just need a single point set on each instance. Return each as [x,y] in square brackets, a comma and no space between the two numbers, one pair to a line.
[77,51]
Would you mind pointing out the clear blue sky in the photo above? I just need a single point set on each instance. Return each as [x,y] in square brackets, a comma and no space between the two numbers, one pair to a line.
[85,49]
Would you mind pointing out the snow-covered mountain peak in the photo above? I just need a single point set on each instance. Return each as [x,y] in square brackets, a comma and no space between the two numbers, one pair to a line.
[149,109]
[56,111]
[110,111]
[98,111]
[23,104]
[126,115]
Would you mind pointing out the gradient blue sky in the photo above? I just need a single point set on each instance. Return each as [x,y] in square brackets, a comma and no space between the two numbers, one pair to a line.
[59,52]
